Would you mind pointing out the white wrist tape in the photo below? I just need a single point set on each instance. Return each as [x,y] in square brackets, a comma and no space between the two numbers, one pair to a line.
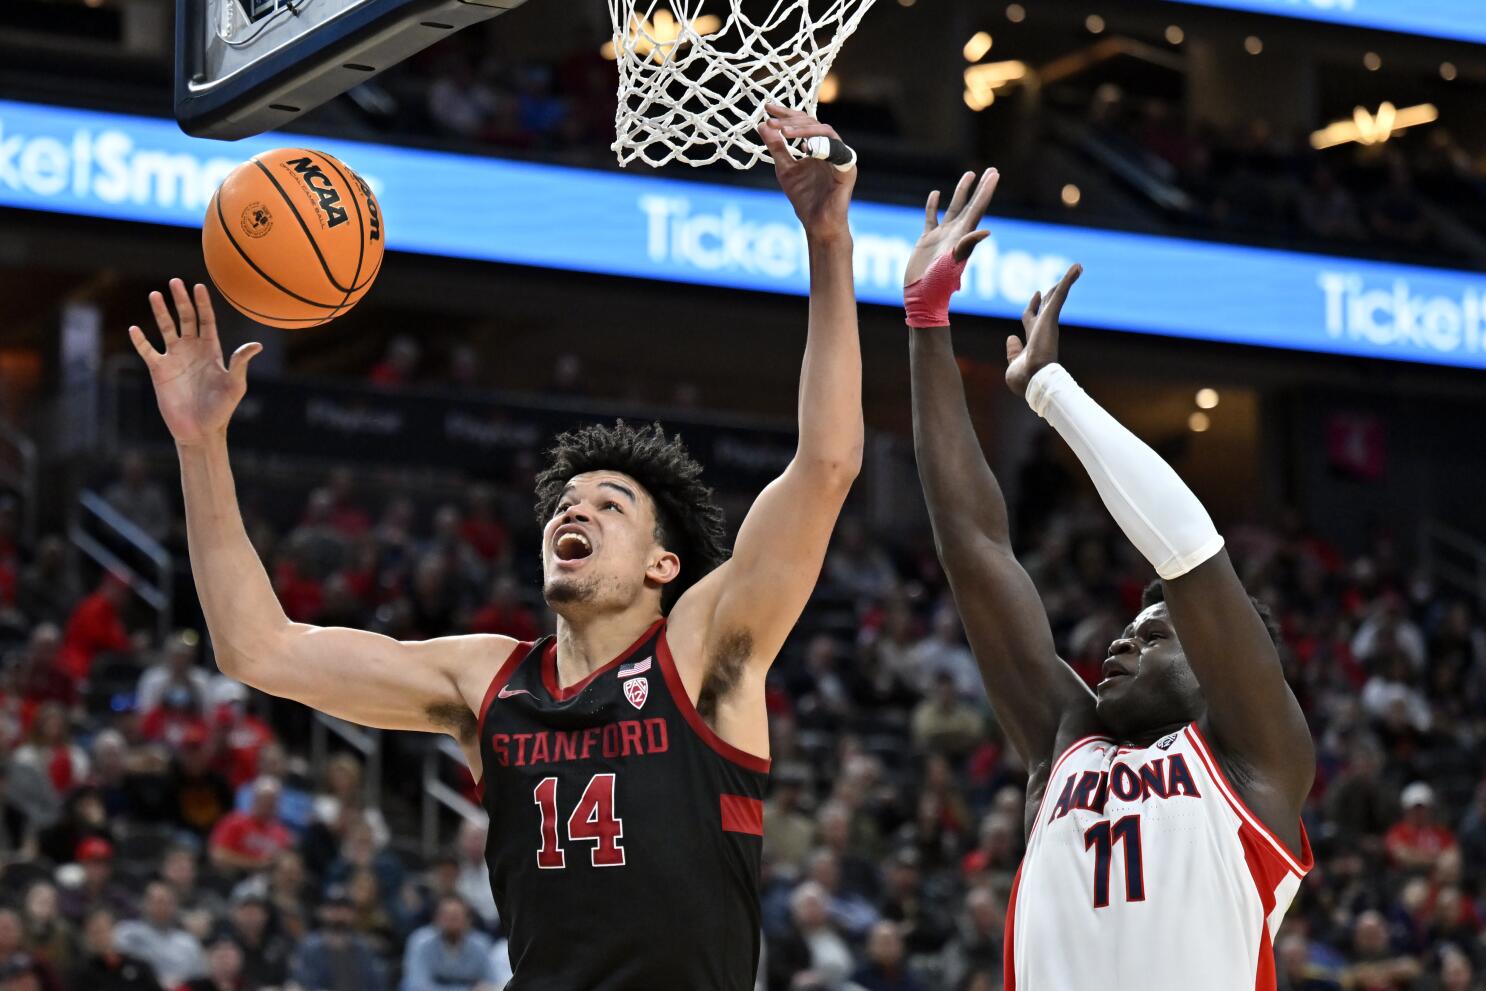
[1149,501]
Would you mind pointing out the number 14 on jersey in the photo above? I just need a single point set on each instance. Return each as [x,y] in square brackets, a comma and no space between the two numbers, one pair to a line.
[593,820]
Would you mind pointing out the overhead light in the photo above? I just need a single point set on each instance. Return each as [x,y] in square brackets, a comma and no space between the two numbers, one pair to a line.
[977,46]
[1071,195]
[1447,71]
[1372,61]
[1016,13]
[1199,422]
[1367,128]
[1094,23]
[658,38]
[1253,45]
[982,81]
[1175,35]
[830,88]
[906,3]
[1207,398]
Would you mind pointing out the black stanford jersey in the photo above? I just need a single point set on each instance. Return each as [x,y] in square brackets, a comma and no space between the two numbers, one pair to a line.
[625,835]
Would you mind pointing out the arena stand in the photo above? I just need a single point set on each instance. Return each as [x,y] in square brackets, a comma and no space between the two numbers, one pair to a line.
[161,819]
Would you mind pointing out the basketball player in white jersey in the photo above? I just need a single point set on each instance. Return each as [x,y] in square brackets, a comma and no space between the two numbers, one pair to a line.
[1164,840]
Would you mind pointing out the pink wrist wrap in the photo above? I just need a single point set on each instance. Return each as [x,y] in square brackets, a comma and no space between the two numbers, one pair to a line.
[927,300]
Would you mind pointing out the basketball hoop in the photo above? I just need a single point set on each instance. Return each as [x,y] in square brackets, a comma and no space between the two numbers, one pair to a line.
[693,84]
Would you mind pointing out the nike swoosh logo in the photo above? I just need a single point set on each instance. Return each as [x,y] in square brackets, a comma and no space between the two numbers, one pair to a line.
[506,693]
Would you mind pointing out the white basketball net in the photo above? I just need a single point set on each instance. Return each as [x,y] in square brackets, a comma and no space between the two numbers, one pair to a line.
[693,83]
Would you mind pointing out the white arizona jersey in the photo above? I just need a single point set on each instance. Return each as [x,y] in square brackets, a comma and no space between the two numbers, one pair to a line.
[1146,871]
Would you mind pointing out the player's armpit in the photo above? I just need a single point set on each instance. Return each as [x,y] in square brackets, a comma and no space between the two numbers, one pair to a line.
[366,678]
[1251,713]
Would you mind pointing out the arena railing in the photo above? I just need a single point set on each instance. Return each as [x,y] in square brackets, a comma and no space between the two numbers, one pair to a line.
[1454,558]
[18,473]
[365,741]
[115,543]
[439,795]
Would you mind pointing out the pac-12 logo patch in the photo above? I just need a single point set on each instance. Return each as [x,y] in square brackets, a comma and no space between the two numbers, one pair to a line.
[637,690]
[1166,742]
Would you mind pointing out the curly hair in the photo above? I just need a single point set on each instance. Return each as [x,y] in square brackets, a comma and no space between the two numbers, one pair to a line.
[688,520]
[1156,592]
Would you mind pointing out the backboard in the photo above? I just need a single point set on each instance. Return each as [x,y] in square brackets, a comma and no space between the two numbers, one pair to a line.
[247,66]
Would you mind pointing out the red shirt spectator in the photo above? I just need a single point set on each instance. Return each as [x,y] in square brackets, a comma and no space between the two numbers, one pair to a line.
[243,735]
[505,614]
[250,840]
[94,627]
[302,597]
[1417,840]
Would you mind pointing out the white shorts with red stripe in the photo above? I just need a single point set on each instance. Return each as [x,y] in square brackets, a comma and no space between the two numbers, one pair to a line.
[1145,870]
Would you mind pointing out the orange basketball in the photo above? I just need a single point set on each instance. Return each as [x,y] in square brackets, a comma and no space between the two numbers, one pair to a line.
[293,238]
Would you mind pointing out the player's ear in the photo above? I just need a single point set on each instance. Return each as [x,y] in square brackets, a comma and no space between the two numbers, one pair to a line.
[664,567]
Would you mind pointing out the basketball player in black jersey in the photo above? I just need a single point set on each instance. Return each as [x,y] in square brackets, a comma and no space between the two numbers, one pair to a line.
[623,761]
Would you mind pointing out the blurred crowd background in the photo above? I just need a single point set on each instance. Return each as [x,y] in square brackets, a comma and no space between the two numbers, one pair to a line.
[160,827]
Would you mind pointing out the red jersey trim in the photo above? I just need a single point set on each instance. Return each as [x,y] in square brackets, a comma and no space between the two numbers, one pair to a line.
[1057,766]
[1302,866]
[502,676]
[741,814]
[694,719]
[549,666]
[1008,953]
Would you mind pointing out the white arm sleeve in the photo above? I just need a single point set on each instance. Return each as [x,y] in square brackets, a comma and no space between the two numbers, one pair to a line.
[1149,501]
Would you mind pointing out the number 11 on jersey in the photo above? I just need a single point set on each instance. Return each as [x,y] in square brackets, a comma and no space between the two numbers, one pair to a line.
[593,819]
[1102,837]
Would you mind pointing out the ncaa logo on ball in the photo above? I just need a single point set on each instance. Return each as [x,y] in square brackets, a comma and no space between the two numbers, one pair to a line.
[637,690]
[256,220]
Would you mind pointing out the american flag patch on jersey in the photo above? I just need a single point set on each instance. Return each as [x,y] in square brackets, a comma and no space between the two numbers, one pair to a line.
[639,667]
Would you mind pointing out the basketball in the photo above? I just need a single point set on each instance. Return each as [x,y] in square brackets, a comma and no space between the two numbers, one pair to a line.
[293,238]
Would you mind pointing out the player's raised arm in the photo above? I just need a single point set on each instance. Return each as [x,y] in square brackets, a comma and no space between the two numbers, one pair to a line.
[1255,723]
[363,677]
[1033,692]
[756,597]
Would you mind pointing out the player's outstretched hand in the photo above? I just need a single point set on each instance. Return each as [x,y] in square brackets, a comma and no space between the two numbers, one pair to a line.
[819,192]
[196,391]
[957,231]
[1040,321]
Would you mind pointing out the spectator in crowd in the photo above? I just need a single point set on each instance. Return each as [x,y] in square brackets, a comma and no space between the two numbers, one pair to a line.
[1376,964]
[48,588]
[1359,806]
[473,885]
[812,955]
[265,956]
[1416,841]
[95,626]
[886,967]
[482,528]
[38,676]
[398,365]
[49,937]
[201,792]
[504,612]
[98,890]
[49,748]
[944,652]
[224,968]
[104,967]
[334,957]
[856,565]
[341,788]
[157,939]
[140,497]
[449,955]
[24,972]
[944,723]
[789,834]
[83,816]
[977,946]
[248,841]
[176,669]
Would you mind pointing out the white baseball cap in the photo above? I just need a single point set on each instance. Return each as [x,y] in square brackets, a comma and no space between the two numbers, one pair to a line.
[1417,793]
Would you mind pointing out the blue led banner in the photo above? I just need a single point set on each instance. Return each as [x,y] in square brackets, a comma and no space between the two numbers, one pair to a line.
[144,169]
[1459,19]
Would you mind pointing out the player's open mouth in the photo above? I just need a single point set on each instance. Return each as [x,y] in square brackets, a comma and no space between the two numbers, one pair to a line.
[571,545]
[1114,674]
